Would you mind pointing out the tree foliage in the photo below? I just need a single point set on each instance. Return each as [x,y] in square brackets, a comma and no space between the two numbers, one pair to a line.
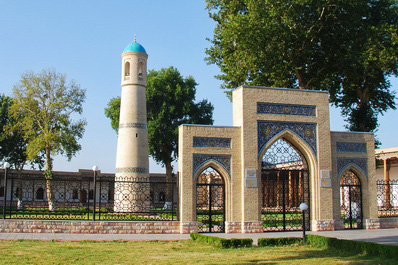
[43,106]
[348,48]
[170,103]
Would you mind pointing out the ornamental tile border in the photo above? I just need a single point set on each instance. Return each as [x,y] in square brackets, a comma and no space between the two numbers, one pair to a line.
[214,142]
[361,163]
[268,129]
[133,125]
[200,159]
[343,147]
[132,170]
[286,109]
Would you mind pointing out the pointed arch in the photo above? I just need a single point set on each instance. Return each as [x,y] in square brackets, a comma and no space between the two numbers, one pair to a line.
[297,142]
[224,201]
[127,69]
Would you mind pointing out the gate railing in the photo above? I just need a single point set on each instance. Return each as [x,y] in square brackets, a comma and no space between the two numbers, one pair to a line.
[103,198]
[387,198]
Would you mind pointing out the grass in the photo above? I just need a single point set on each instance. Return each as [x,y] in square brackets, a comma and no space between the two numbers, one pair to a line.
[169,252]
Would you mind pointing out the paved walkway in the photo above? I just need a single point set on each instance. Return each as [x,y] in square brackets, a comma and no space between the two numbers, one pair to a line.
[381,236]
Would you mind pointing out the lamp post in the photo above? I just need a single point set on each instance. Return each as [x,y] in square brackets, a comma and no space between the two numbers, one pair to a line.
[95,169]
[6,165]
[303,207]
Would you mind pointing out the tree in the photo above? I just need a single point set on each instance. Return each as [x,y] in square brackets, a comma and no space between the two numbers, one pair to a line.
[170,103]
[349,48]
[43,105]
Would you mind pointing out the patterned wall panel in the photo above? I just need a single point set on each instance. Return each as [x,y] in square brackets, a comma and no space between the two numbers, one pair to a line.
[132,170]
[361,163]
[133,125]
[343,147]
[286,109]
[268,129]
[200,159]
[212,142]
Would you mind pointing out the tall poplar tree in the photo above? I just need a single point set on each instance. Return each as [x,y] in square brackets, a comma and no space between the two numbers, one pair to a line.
[43,105]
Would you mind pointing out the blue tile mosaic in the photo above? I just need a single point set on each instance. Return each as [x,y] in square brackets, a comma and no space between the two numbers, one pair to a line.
[212,142]
[268,129]
[133,125]
[343,147]
[222,160]
[361,163]
[286,109]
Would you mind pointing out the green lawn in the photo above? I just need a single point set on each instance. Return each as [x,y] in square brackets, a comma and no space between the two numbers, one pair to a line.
[170,252]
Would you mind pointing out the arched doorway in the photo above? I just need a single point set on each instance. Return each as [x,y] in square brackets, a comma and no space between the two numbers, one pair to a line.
[210,201]
[351,200]
[285,185]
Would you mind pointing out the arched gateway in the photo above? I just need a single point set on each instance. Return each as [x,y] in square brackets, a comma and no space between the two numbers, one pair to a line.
[351,200]
[279,153]
[284,185]
[210,201]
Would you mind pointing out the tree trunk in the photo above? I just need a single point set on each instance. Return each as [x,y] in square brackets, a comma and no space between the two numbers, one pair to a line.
[49,176]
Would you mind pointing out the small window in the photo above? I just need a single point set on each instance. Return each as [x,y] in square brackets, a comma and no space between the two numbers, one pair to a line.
[141,71]
[91,195]
[40,194]
[75,194]
[110,195]
[83,196]
[162,196]
[1,191]
[127,69]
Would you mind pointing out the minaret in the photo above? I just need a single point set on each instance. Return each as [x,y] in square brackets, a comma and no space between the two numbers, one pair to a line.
[132,162]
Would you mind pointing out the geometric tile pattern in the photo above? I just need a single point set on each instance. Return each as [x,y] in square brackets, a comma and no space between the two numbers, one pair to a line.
[343,147]
[222,160]
[133,125]
[268,129]
[286,109]
[212,142]
[132,170]
[361,163]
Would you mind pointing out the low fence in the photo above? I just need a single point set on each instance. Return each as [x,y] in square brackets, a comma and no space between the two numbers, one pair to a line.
[100,198]
[387,198]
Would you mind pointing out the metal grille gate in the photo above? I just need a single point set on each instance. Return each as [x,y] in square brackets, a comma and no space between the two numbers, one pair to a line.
[351,201]
[285,184]
[210,202]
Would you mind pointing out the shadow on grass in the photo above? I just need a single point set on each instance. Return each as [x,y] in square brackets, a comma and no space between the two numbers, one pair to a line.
[315,257]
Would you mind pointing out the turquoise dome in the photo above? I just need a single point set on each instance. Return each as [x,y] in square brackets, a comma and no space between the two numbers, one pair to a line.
[134,47]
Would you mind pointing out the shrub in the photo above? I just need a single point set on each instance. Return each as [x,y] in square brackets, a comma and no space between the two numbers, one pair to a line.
[360,247]
[263,242]
[222,242]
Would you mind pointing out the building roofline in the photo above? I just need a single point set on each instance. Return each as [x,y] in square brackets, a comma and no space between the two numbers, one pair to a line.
[204,125]
[282,88]
[352,132]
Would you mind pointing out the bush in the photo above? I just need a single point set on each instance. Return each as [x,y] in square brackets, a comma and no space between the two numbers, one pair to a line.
[222,242]
[264,242]
[359,247]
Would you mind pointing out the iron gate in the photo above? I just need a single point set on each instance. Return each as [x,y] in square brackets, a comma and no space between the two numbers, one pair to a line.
[210,202]
[285,185]
[351,201]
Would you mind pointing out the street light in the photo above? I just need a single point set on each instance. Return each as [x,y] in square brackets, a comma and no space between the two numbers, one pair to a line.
[304,207]
[95,169]
[6,165]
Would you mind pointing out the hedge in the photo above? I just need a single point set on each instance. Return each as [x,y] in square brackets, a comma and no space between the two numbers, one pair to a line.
[360,247]
[222,242]
[281,241]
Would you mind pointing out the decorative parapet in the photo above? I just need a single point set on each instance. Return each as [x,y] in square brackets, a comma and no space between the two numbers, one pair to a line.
[201,159]
[212,142]
[286,109]
[361,163]
[343,147]
[268,129]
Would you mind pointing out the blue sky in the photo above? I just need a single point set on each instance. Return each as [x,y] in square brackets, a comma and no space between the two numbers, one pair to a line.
[85,39]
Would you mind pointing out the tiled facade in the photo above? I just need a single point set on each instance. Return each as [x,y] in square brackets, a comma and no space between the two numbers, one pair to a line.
[261,116]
